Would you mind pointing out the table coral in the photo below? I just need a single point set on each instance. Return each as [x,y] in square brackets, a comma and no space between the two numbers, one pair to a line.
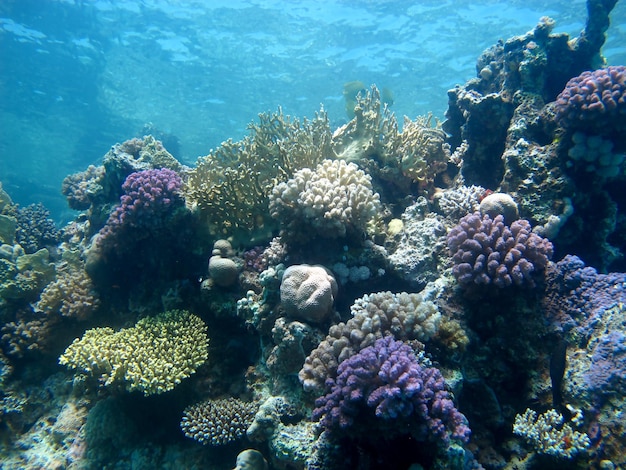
[334,200]
[218,422]
[152,357]
[405,316]
[386,381]
[486,251]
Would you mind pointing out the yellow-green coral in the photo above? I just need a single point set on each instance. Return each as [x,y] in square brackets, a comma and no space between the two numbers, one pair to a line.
[153,356]
[229,188]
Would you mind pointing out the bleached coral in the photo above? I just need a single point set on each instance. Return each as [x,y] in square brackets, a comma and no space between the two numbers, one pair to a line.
[405,316]
[153,356]
[549,434]
[333,200]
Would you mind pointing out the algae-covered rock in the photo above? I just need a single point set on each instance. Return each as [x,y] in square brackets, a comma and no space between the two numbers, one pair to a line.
[8,226]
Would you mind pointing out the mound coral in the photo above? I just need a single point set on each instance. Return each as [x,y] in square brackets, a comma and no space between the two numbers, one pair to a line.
[152,357]
[331,201]
[486,251]
[386,381]
[307,292]
[594,101]
[405,316]
[218,422]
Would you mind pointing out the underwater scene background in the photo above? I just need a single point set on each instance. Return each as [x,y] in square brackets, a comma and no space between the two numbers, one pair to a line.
[312,235]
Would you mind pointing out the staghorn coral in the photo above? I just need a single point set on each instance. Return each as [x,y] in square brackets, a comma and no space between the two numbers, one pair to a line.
[229,188]
[152,357]
[548,434]
[384,387]
[72,294]
[405,316]
[218,422]
[594,101]
[307,293]
[486,251]
[334,200]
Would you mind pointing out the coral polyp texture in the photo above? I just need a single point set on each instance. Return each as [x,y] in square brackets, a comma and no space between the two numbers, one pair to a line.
[387,383]
[405,316]
[152,357]
[331,201]
[594,101]
[485,251]
[218,422]
[308,292]
[149,196]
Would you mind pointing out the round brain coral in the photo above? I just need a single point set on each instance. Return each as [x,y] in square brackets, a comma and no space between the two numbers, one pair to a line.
[486,251]
[308,292]
[332,201]
[594,101]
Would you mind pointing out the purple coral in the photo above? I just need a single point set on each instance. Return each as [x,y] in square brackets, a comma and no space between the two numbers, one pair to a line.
[486,251]
[594,101]
[608,364]
[148,197]
[387,383]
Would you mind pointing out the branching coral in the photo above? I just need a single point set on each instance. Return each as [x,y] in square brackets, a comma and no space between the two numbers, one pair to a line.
[152,357]
[405,316]
[35,229]
[385,381]
[218,422]
[229,188]
[334,200]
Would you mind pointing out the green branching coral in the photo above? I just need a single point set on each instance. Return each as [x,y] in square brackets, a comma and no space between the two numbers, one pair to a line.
[153,356]
[229,188]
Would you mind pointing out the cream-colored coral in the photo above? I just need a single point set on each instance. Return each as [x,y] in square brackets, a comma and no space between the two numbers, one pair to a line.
[548,434]
[72,294]
[334,199]
[229,188]
[307,292]
[153,356]
[405,316]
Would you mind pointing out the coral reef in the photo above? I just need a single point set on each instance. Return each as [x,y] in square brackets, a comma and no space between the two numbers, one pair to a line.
[218,422]
[152,357]
[405,316]
[334,200]
[307,292]
[486,251]
[35,229]
[594,154]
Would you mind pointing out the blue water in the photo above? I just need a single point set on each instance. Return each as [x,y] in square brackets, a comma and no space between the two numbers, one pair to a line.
[79,76]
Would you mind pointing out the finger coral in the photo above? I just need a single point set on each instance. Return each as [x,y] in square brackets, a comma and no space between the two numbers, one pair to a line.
[405,316]
[486,251]
[384,387]
[218,422]
[331,201]
[152,357]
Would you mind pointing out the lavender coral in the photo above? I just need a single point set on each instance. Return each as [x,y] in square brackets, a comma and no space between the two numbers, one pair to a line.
[486,251]
[148,197]
[594,101]
[387,382]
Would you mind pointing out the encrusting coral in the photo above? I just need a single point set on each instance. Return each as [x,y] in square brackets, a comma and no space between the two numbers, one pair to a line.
[218,422]
[405,316]
[334,200]
[152,357]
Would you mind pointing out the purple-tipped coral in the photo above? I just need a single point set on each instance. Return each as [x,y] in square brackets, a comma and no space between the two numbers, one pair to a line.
[486,251]
[148,197]
[594,101]
[386,382]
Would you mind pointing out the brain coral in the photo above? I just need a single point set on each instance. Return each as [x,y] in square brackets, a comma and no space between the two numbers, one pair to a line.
[153,356]
[486,251]
[308,292]
[594,101]
[218,422]
[331,201]
[405,316]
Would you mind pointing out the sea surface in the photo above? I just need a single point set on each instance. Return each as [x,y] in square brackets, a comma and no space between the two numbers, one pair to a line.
[78,76]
